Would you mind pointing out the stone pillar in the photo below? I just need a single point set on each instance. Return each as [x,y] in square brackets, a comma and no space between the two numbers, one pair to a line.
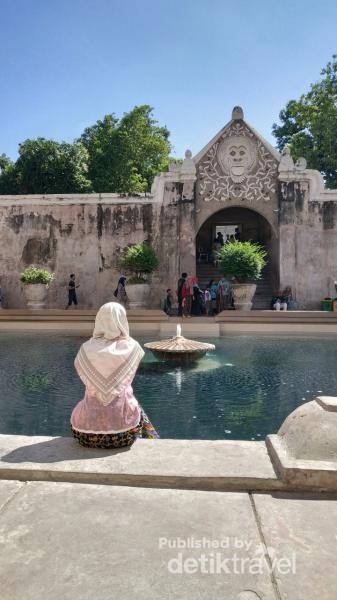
[287,232]
[175,229]
[293,196]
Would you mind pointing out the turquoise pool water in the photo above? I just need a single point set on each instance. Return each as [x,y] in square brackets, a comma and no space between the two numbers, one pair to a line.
[243,390]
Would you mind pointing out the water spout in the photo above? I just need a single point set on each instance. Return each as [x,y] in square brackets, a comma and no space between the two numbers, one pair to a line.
[178,330]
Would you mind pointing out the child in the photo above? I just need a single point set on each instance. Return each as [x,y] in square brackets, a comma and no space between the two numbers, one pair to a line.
[208,302]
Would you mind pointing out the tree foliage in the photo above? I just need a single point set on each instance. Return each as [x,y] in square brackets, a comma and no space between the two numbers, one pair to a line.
[309,125]
[126,154]
[114,155]
[5,162]
[46,167]
[243,260]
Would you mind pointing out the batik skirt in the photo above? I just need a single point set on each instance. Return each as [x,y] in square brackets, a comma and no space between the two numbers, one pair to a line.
[144,429]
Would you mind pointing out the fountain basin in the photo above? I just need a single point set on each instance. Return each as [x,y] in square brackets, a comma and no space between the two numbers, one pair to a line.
[179,349]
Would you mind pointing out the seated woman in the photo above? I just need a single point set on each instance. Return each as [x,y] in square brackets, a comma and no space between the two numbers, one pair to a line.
[109,415]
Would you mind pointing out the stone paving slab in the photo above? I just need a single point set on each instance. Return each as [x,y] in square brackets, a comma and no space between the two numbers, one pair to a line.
[186,464]
[302,529]
[8,489]
[79,542]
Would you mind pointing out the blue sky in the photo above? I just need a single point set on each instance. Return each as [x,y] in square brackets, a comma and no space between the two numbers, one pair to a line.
[66,63]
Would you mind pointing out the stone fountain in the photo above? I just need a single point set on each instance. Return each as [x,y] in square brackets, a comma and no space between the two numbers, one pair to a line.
[179,349]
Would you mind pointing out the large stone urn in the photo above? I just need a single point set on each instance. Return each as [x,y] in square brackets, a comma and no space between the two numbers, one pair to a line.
[304,450]
[35,294]
[243,294]
[138,295]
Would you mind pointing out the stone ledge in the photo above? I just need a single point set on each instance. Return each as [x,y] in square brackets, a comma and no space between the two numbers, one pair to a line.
[315,475]
[31,200]
[58,315]
[177,464]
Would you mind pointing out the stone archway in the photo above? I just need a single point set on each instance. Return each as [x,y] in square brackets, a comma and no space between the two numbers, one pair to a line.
[245,224]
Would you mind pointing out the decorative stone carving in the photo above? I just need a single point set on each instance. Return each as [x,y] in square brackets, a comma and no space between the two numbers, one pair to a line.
[237,113]
[243,295]
[301,164]
[287,166]
[237,166]
[237,156]
[188,165]
[286,162]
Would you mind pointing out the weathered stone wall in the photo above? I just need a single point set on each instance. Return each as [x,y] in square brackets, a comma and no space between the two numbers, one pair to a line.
[308,243]
[85,235]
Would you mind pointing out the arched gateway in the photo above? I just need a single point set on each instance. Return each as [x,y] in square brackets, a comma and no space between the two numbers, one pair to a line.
[239,180]
[230,186]
[236,195]
[244,224]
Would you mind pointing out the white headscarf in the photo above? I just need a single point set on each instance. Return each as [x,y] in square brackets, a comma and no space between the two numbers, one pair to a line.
[108,361]
[111,322]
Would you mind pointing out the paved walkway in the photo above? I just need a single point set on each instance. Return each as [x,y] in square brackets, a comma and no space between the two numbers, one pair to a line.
[73,541]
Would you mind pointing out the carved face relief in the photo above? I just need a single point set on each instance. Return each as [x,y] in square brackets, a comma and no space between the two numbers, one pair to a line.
[237,156]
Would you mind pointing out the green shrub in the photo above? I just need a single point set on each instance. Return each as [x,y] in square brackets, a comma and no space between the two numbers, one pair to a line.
[139,259]
[243,260]
[36,275]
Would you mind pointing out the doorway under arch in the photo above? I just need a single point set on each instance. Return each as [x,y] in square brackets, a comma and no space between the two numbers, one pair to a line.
[247,225]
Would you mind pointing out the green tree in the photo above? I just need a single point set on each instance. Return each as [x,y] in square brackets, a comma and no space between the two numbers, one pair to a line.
[46,167]
[309,125]
[100,142]
[126,154]
[7,175]
[5,162]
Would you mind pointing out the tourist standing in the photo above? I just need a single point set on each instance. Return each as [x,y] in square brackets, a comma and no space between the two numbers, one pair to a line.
[168,302]
[213,288]
[219,239]
[109,415]
[72,286]
[224,294]
[181,282]
[197,301]
[120,292]
[187,293]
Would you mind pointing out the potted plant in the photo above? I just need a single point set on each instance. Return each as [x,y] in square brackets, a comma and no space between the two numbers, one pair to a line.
[36,281]
[139,260]
[244,261]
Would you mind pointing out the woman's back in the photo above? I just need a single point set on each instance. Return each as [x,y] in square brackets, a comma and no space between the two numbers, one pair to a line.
[107,364]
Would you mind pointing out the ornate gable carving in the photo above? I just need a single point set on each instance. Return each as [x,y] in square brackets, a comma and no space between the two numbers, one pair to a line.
[237,166]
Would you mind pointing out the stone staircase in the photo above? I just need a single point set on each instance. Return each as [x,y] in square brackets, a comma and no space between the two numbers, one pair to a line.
[206,272]
[264,290]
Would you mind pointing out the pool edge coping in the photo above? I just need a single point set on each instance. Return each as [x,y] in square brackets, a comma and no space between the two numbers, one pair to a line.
[168,464]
